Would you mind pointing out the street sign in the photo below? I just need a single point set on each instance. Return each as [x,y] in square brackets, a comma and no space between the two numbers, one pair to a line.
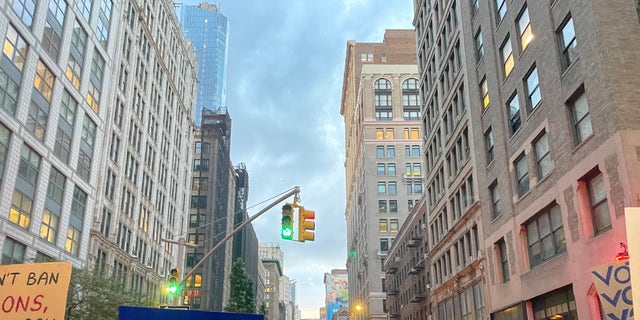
[191,292]
[137,313]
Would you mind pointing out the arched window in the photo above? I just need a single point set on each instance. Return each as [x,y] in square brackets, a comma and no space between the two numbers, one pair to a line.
[410,99]
[382,92]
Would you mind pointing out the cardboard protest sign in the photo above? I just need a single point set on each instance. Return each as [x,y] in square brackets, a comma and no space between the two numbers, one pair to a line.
[613,282]
[34,291]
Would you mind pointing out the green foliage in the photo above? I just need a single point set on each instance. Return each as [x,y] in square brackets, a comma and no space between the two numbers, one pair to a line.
[92,296]
[263,309]
[241,298]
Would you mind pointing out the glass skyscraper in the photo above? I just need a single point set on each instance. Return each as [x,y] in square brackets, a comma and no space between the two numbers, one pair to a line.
[208,29]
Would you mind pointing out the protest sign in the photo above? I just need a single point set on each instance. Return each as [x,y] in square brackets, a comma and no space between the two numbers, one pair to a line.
[613,282]
[34,291]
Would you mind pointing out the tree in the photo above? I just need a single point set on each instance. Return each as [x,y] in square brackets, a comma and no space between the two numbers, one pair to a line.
[92,296]
[242,297]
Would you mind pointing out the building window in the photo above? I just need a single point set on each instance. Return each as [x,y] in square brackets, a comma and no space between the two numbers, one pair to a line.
[200,183]
[598,203]
[545,236]
[73,72]
[504,260]
[15,48]
[84,6]
[57,8]
[382,187]
[52,38]
[382,205]
[380,169]
[393,225]
[29,165]
[501,9]
[580,118]
[388,134]
[25,10]
[393,188]
[507,56]
[93,97]
[193,258]
[514,113]
[391,169]
[417,187]
[201,147]
[382,225]
[393,205]
[567,39]
[488,143]
[524,29]
[379,151]
[495,199]
[37,120]
[522,174]
[411,99]
[20,212]
[382,96]
[200,164]
[479,45]
[384,244]
[5,136]
[49,226]
[366,57]
[543,156]
[532,86]
[13,252]
[83,168]
[199,202]
[484,89]
[72,244]
[391,151]
[196,238]
[44,80]
[475,6]
[68,107]
[379,134]
[55,190]
[9,89]
[558,304]
[79,203]
[478,299]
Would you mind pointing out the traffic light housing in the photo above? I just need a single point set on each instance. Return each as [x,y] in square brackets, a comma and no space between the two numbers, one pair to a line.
[306,224]
[174,281]
[286,230]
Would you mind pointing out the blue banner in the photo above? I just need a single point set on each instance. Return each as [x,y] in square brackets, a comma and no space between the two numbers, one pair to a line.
[139,313]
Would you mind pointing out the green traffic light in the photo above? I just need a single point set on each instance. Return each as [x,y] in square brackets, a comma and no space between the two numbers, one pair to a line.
[287,227]
[173,288]
[287,233]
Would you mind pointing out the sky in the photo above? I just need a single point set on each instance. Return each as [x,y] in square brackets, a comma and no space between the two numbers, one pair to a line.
[284,82]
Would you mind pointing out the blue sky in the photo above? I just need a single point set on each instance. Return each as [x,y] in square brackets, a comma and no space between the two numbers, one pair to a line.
[284,82]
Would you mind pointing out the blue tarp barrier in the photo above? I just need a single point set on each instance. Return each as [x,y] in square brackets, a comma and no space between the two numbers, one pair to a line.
[139,313]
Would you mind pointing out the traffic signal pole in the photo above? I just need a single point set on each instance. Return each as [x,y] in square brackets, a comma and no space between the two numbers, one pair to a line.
[294,191]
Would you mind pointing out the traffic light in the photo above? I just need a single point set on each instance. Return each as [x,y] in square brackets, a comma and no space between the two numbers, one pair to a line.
[286,231]
[174,281]
[306,224]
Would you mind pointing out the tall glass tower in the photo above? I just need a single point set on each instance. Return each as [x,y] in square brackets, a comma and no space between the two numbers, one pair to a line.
[208,29]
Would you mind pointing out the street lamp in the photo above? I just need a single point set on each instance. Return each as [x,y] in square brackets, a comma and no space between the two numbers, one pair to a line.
[357,309]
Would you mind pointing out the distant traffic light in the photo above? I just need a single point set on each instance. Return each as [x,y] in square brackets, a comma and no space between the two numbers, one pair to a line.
[306,224]
[286,231]
[174,281]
